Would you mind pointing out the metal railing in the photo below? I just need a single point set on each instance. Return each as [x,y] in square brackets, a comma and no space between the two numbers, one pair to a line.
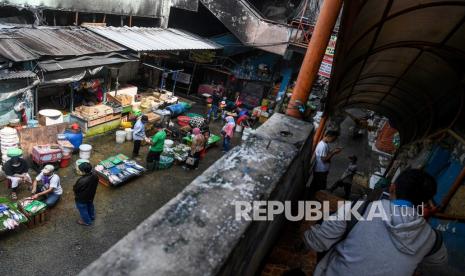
[301,32]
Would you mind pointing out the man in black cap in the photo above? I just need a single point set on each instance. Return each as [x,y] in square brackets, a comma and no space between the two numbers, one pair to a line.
[84,193]
[138,134]
[16,170]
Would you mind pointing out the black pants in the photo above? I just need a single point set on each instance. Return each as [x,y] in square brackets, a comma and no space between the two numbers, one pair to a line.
[347,188]
[153,158]
[135,150]
[318,183]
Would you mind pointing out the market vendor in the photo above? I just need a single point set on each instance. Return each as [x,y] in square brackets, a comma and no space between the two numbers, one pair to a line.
[197,146]
[138,134]
[49,187]
[157,144]
[16,170]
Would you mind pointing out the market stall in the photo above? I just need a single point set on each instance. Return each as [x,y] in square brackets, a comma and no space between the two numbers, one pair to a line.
[34,210]
[10,216]
[118,170]
[97,119]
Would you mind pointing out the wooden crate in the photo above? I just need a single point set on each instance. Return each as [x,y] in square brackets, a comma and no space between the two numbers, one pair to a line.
[36,220]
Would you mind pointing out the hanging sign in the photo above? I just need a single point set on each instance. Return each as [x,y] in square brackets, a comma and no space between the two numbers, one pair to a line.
[181,77]
[327,62]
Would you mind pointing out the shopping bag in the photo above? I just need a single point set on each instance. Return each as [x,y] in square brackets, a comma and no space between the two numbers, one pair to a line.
[190,161]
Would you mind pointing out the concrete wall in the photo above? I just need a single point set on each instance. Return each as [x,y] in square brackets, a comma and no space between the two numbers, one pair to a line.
[145,8]
[196,233]
[248,26]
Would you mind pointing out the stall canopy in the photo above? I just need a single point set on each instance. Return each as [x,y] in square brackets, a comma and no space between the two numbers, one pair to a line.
[404,59]
[14,83]
[84,62]
[155,39]
[23,44]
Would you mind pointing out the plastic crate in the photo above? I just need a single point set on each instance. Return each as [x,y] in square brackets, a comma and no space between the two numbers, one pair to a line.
[45,154]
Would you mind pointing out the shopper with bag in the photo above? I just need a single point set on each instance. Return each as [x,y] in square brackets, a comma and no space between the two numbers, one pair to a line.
[227,132]
[197,146]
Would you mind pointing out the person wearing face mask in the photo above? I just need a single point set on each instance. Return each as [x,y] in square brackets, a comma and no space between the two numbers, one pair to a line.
[16,170]
[49,188]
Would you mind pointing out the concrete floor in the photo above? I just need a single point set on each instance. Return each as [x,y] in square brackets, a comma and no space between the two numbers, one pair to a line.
[62,247]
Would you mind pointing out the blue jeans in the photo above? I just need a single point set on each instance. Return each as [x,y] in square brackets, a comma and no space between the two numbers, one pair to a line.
[86,211]
[214,110]
[51,199]
[226,143]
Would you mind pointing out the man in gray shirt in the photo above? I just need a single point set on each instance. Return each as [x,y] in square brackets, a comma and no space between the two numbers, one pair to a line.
[396,244]
[138,134]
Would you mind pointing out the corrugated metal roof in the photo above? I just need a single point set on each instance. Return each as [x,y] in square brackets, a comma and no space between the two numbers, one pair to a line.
[11,75]
[22,44]
[84,62]
[155,39]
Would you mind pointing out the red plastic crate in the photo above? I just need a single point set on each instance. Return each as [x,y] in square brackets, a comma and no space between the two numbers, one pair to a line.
[44,154]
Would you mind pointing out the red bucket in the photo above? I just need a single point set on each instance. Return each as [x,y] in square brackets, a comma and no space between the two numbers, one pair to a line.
[183,120]
[64,163]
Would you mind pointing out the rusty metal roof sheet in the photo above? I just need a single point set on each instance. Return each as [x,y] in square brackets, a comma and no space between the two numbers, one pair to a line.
[155,39]
[11,75]
[404,59]
[22,44]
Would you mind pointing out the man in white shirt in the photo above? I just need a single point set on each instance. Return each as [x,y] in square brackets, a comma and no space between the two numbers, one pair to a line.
[323,155]
[50,186]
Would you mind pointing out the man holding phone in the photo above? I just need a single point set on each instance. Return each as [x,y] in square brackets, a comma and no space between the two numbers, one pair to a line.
[323,156]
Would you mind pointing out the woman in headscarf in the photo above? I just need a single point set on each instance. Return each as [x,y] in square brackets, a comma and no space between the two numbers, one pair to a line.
[228,132]
[197,146]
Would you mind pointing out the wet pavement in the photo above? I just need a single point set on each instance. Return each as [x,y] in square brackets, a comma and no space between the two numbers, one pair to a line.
[61,246]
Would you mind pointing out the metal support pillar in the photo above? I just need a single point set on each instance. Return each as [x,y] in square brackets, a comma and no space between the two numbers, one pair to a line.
[327,18]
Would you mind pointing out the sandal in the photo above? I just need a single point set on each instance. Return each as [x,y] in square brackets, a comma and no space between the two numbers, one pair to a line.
[80,222]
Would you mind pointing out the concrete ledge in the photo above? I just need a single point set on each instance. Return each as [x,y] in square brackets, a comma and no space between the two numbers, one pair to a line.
[196,233]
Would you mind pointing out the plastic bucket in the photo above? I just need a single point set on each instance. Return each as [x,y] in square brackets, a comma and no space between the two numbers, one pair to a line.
[126,125]
[128,134]
[79,162]
[74,137]
[120,136]
[84,151]
[183,121]
[67,152]
[64,163]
